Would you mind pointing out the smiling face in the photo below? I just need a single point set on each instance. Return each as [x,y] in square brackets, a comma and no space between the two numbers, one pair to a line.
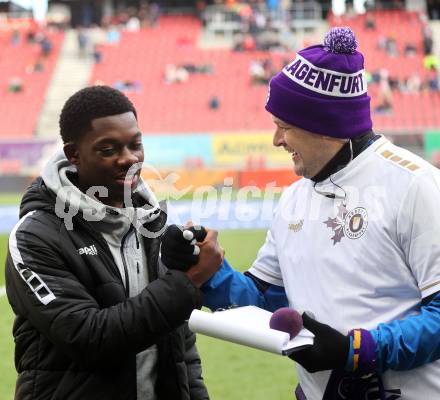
[105,154]
[310,151]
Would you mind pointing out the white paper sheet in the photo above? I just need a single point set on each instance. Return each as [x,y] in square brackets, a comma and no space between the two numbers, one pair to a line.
[248,326]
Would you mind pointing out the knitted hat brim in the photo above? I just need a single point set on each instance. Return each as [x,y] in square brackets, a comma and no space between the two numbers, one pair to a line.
[341,118]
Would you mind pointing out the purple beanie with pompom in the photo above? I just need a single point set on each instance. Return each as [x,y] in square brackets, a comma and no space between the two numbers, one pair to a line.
[324,90]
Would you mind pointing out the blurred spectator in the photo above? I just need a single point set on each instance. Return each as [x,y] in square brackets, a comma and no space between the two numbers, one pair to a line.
[246,14]
[96,36]
[133,24]
[268,40]
[385,95]
[410,50]
[106,21]
[413,84]
[238,42]
[430,62]
[154,14]
[143,15]
[122,16]
[261,71]
[30,36]
[15,85]
[83,40]
[37,66]
[180,73]
[256,72]
[113,34]
[433,7]
[431,65]
[15,38]
[175,74]
[273,7]
[260,21]
[98,82]
[368,77]
[390,4]
[97,54]
[45,44]
[245,43]
[369,22]
[388,44]
[349,9]
[391,46]
[427,39]
[214,103]
[128,86]
[288,40]
[201,11]
[249,43]
[378,76]
[197,69]
[432,80]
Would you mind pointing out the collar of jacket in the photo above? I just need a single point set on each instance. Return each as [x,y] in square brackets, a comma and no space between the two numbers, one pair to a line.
[343,156]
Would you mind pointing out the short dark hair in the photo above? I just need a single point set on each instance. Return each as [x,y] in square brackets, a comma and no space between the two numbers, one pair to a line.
[88,104]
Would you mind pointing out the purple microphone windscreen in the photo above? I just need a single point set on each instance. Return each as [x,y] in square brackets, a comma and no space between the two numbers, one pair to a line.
[287,320]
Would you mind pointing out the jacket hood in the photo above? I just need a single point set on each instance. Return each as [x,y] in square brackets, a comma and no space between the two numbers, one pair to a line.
[36,197]
[55,192]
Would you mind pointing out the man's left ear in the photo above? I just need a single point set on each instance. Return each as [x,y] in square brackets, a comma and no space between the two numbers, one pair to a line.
[71,152]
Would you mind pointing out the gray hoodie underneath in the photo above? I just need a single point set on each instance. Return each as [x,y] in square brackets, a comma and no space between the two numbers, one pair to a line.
[124,241]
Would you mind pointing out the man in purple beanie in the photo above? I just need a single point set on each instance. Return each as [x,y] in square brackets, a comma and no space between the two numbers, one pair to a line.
[356,242]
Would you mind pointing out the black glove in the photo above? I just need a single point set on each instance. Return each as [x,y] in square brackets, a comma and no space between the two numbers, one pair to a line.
[178,246]
[329,351]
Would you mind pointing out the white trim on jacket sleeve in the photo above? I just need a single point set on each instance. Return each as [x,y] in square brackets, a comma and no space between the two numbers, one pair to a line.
[33,280]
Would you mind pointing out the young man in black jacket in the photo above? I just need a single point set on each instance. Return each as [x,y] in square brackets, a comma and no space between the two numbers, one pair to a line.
[97,314]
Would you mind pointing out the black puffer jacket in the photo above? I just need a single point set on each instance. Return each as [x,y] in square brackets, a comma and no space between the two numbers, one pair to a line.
[76,332]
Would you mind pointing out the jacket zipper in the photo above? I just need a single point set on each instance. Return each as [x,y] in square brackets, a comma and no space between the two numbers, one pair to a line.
[153,273]
[127,281]
[137,247]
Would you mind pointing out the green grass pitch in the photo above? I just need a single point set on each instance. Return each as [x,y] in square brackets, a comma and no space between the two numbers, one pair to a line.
[231,372]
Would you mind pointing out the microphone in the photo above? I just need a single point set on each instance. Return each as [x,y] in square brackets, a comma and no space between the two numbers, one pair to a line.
[193,235]
[179,249]
[331,195]
[287,320]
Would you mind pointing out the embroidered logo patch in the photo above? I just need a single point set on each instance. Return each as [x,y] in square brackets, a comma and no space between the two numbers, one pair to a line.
[88,250]
[296,227]
[351,224]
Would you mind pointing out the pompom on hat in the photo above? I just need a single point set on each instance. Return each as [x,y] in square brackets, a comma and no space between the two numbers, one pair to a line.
[324,90]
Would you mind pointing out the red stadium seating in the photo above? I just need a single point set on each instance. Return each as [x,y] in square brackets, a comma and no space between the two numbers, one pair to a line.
[184,107]
[412,112]
[20,111]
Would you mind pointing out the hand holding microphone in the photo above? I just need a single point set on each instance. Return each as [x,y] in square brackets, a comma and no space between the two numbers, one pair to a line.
[179,249]
[329,350]
[330,347]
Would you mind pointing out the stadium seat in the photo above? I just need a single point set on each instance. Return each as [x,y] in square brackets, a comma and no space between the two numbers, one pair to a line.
[20,110]
[184,107]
